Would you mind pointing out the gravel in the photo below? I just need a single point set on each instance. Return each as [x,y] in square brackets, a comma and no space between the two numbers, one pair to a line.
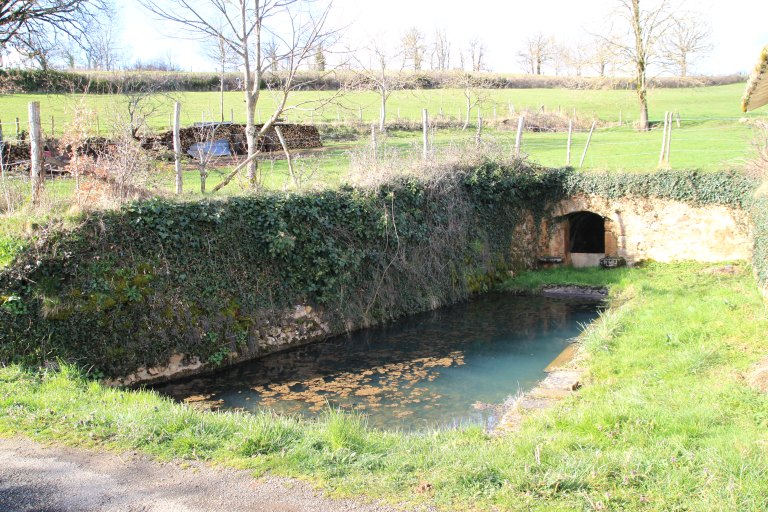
[39,478]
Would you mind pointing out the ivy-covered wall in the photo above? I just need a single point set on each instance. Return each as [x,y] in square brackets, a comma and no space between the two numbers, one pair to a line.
[130,289]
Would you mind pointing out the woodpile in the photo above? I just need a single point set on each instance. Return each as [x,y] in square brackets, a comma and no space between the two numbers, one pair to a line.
[13,152]
[297,136]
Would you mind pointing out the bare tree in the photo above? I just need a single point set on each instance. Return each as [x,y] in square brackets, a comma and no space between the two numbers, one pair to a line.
[476,53]
[102,44]
[136,100]
[442,51]
[472,87]
[295,25]
[604,57]
[412,43]
[578,58]
[538,51]
[688,35]
[320,61]
[39,47]
[373,72]
[562,57]
[271,54]
[38,29]
[644,28]
[218,51]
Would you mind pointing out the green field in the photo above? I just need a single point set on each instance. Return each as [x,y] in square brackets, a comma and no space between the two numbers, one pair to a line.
[712,134]
[665,422]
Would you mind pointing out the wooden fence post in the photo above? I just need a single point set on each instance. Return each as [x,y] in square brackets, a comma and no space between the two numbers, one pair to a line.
[232,115]
[586,147]
[373,140]
[664,140]
[36,151]
[18,130]
[98,125]
[519,136]
[53,127]
[2,164]
[570,140]
[283,143]
[479,133]
[425,133]
[177,147]
[669,140]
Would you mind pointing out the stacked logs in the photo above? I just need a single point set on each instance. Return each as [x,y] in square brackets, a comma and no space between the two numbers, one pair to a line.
[15,152]
[297,136]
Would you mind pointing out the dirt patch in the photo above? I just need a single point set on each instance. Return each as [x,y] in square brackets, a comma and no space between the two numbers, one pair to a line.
[757,378]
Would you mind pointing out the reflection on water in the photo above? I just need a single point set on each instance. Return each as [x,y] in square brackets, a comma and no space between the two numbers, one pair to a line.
[439,369]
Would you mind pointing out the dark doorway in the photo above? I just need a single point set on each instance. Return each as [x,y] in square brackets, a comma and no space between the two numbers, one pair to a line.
[586,232]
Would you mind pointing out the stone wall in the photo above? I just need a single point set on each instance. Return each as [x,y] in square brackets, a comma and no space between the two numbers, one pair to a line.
[657,229]
[299,326]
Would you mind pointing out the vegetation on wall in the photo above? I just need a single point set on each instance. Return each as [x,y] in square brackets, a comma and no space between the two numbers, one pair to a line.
[129,288]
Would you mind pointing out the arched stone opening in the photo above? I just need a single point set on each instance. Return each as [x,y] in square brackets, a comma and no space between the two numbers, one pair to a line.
[585,242]
[586,233]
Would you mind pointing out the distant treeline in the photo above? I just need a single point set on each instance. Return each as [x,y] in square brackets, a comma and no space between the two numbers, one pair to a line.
[110,82]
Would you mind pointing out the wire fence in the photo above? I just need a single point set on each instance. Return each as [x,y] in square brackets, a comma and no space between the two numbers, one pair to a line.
[712,142]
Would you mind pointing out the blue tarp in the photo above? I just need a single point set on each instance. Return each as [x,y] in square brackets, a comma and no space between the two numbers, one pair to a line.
[218,147]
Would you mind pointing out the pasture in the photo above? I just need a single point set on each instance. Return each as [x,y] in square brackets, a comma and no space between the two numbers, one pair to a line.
[713,134]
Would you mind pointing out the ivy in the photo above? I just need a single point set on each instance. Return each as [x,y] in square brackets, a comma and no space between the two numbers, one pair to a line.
[131,287]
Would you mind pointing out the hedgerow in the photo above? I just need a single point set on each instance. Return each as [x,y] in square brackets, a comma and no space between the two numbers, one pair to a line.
[129,288]
[54,81]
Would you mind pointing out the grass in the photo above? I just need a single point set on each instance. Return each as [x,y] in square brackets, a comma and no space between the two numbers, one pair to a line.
[710,137]
[665,421]
[692,103]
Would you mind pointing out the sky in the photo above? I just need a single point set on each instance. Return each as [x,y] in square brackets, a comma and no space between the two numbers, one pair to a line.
[739,28]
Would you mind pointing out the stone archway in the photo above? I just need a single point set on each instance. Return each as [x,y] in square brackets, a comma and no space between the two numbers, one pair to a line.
[581,237]
[585,238]
[586,233]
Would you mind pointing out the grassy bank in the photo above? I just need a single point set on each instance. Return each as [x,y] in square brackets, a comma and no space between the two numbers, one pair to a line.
[665,422]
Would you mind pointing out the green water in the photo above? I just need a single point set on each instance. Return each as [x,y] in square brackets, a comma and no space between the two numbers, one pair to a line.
[451,367]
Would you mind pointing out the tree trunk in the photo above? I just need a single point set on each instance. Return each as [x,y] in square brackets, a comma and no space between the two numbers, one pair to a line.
[221,91]
[203,176]
[640,62]
[468,96]
[251,134]
[383,111]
